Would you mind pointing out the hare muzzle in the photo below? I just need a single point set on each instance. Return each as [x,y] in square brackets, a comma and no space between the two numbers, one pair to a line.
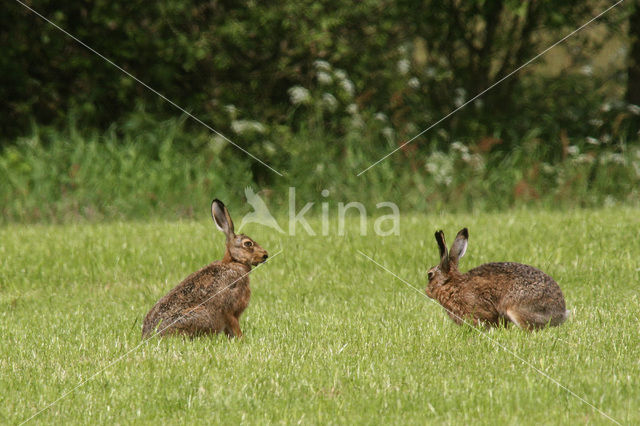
[260,256]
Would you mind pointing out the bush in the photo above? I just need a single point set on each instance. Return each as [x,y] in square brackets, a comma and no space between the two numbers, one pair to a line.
[411,61]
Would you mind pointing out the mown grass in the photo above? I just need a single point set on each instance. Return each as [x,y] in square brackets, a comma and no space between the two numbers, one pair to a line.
[329,336]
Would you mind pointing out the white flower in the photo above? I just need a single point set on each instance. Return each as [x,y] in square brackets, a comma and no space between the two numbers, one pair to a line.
[442,133]
[592,141]
[573,150]
[440,166]
[459,146]
[232,110]
[596,122]
[388,133]
[217,143]
[247,126]
[458,100]
[476,161]
[586,70]
[403,66]
[324,77]
[431,167]
[321,65]
[548,168]
[269,147]
[357,122]
[340,74]
[612,157]
[329,101]
[381,116]
[352,109]
[583,159]
[411,128]
[414,83]
[299,95]
[348,87]
[633,109]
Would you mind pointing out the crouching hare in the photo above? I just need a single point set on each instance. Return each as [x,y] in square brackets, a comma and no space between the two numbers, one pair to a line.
[212,299]
[494,293]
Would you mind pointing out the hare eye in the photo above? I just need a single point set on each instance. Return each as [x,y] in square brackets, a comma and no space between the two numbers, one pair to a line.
[430,275]
[248,243]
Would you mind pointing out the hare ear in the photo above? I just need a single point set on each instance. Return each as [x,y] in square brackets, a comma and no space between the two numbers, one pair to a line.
[442,245]
[221,218]
[459,246]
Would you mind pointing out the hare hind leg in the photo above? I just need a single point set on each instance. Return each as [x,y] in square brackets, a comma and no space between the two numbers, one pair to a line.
[528,320]
[191,323]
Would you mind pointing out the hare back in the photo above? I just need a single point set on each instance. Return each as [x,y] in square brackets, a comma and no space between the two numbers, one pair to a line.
[518,285]
[214,291]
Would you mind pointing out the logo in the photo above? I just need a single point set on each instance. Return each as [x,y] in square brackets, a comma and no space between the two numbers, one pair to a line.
[260,214]
[384,225]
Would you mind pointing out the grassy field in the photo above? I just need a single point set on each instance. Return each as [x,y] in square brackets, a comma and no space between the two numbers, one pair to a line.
[329,336]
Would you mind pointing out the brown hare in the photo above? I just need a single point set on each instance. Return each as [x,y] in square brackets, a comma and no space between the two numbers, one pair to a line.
[212,299]
[494,293]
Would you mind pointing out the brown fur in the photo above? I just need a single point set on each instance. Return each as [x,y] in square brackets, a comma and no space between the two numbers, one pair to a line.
[212,299]
[494,293]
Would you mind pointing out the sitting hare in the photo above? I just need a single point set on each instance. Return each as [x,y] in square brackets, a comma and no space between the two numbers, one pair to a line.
[494,292]
[212,299]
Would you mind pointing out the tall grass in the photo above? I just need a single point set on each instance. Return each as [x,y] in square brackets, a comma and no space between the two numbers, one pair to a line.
[66,176]
[162,169]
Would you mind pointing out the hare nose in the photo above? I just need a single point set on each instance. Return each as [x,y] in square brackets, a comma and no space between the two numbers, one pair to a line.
[264,257]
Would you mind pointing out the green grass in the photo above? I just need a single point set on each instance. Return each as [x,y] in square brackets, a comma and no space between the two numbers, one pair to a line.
[164,172]
[329,336]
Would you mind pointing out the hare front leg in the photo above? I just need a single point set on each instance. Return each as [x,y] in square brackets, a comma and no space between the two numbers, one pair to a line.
[233,326]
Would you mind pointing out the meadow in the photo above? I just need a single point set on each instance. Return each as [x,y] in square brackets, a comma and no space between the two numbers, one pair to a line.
[329,337]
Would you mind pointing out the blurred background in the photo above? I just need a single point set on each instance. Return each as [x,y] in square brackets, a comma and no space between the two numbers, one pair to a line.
[318,90]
